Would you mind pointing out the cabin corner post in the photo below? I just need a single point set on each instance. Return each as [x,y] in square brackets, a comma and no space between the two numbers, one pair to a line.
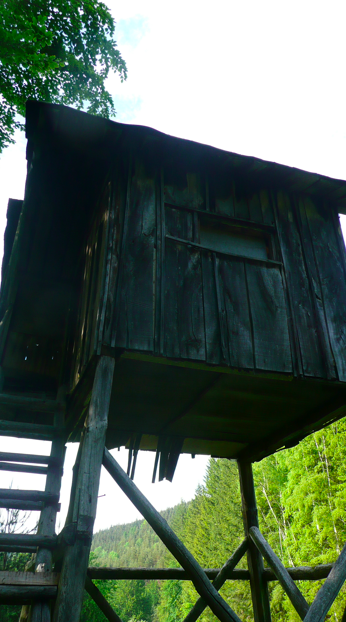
[75,562]
[259,586]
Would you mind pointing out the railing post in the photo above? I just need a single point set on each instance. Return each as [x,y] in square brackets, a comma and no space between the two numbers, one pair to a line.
[259,587]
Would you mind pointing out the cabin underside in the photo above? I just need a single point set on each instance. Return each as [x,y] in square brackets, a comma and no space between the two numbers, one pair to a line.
[213,411]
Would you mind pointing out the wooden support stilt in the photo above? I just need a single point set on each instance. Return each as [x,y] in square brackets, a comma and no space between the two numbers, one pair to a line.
[201,582]
[296,597]
[259,587]
[75,562]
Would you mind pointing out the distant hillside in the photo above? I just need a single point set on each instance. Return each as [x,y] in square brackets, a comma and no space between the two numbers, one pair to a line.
[136,544]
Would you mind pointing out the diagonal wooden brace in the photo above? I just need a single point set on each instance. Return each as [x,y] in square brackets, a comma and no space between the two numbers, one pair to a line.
[329,590]
[219,580]
[294,594]
[101,601]
[201,582]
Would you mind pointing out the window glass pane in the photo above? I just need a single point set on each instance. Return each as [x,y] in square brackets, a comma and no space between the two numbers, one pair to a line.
[234,240]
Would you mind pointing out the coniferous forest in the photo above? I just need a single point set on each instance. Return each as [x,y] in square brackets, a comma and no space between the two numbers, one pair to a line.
[301,496]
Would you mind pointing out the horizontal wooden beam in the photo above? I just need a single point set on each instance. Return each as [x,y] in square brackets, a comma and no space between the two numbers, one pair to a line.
[296,597]
[30,458]
[23,468]
[29,430]
[160,574]
[201,582]
[23,594]
[10,577]
[100,601]
[300,573]
[33,404]
[329,590]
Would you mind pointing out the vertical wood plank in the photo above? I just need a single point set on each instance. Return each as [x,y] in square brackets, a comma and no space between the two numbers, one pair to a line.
[75,562]
[235,314]
[222,194]
[255,208]
[241,207]
[184,317]
[135,325]
[259,587]
[211,315]
[268,310]
[267,208]
[179,223]
[321,330]
[182,187]
[299,288]
[332,278]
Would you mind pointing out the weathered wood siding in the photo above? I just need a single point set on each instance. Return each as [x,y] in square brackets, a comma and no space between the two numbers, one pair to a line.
[177,298]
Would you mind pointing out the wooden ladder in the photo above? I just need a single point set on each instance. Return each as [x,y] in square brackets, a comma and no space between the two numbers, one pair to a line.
[39,585]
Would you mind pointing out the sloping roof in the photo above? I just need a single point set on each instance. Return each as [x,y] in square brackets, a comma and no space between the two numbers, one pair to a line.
[100,137]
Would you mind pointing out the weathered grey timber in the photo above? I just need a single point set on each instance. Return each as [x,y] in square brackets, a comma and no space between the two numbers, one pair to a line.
[201,582]
[23,468]
[300,573]
[26,539]
[213,284]
[75,562]
[28,430]
[297,599]
[329,590]
[101,602]
[161,574]
[219,580]
[303,573]
[21,594]
[259,587]
[31,458]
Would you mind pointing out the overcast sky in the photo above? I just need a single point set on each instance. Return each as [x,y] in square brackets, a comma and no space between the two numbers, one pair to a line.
[259,78]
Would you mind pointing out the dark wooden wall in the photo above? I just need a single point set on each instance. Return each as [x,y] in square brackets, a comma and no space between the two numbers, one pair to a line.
[174,297]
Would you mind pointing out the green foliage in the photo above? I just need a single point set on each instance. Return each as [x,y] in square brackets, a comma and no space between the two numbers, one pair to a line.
[60,52]
[301,503]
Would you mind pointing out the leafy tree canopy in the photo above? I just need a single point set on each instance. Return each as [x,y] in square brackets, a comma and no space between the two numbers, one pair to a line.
[57,51]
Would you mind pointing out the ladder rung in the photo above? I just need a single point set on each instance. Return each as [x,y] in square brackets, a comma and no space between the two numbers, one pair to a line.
[21,595]
[29,430]
[11,577]
[28,506]
[4,548]
[29,495]
[23,468]
[34,404]
[28,540]
[30,458]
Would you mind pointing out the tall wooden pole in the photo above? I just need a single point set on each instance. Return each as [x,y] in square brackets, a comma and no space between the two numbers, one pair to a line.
[259,587]
[75,563]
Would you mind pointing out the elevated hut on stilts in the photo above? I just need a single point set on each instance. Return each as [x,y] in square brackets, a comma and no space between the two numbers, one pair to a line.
[171,297]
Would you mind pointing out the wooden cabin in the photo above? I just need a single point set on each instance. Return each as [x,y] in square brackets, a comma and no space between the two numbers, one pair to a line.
[216,281]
